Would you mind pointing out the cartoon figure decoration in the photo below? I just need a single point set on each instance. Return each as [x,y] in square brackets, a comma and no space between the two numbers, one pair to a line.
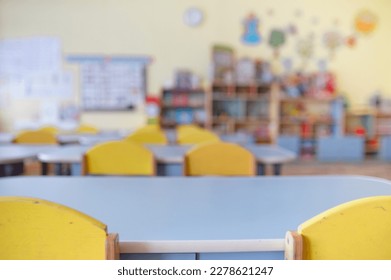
[276,40]
[251,34]
[332,40]
[365,22]
[351,41]
[291,29]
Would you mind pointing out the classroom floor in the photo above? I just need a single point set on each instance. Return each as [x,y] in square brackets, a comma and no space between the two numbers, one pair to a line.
[369,167]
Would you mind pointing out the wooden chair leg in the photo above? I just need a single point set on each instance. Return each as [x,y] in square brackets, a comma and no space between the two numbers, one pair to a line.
[112,247]
[293,246]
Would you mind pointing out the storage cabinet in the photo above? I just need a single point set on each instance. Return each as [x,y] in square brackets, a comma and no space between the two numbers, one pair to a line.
[309,118]
[244,109]
[370,123]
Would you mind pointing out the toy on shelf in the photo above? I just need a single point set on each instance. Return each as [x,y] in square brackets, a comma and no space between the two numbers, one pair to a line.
[184,106]
[314,85]
[223,64]
[308,108]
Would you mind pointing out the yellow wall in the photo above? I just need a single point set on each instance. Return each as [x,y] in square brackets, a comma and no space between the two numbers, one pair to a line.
[155,27]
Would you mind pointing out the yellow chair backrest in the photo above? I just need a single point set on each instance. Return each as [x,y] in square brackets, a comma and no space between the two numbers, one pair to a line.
[197,137]
[35,137]
[149,127]
[187,127]
[84,128]
[119,158]
[148,137]
[357,230]
[49,128]
[184,129]
[219,158]
[36,229]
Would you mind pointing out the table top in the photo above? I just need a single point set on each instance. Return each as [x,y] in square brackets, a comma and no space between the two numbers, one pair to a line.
[6,138]
[198,208]
[169,154]
[11,153]
[66,137]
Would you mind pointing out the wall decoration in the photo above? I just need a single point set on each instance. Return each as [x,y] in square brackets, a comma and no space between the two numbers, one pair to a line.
[276,40]
[305,49]
[365,22]
[351,41]
[251,34]
[332,40]
[291,29]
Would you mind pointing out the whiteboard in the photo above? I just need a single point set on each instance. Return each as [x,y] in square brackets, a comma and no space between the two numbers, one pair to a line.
[111,82]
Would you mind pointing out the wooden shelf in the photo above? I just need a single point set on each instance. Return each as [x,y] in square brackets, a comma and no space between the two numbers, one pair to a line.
[165,106]
[307,99]
[180,106]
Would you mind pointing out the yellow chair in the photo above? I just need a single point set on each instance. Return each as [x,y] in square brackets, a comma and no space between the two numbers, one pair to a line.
[197,137]
[148,137]
[36,229]
[184,129]
[119,158]
[219,158]
[148,127]
[35,137]
[357,230]
[84,128]
[49,128]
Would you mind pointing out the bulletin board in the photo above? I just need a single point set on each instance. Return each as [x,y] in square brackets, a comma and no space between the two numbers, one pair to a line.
[112,83]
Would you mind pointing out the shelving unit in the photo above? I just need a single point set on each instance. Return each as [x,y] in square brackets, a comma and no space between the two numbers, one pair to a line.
[362,123]
[369,123]
[184,106]
[244,108]
[307,118]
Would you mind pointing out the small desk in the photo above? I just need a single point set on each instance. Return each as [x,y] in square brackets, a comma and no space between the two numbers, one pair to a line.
[199,212]
[12,156]
[169,158]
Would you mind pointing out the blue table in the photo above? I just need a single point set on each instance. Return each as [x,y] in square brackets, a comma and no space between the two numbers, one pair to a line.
[156,216]
[12,156]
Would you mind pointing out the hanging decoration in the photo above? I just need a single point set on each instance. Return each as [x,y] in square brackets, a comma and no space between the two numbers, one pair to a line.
[365,22]
[291,29]
[276,40]
[251,34]
[305,49]
[332,40]
[351,41]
